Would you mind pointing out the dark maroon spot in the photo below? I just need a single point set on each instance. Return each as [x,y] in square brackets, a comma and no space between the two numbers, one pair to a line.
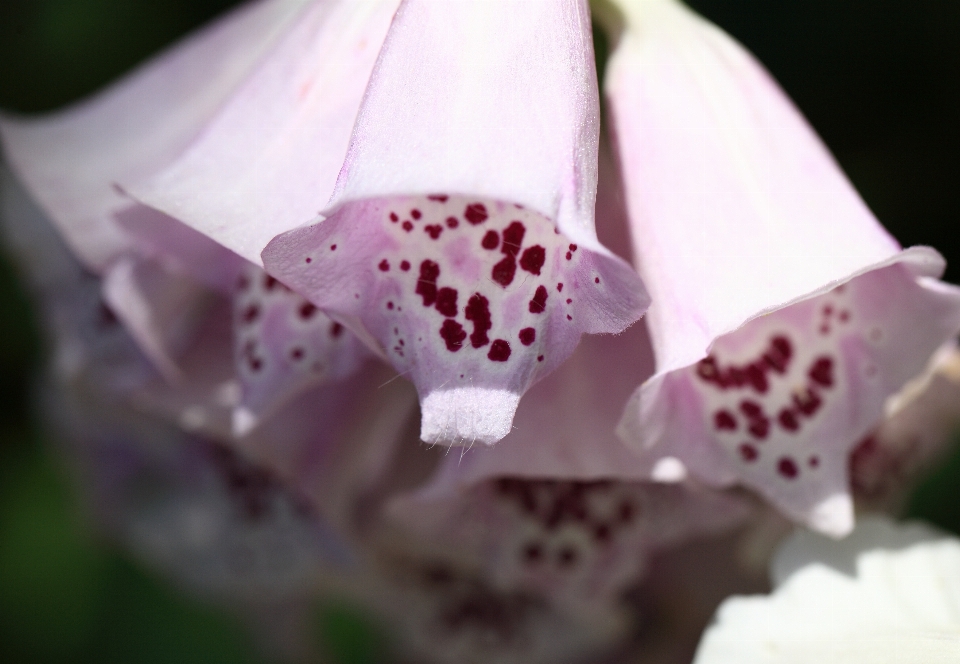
[336,329]
[560,288]
[404,265]
[452,333]
[533,258]
[751,408]
[270,283]
[539,358]
[788,468]
[707,369]
[569,255]
[333,247]
[476,213]
[452,222]
[788,420]
[813,461]
[478,311]
[527,336]
[822,372]
[307,260]
[602,533]
[296,354]
[393,217]
[440,198]
[569,317]
[307,310]
[778,356]
[748,452]
[532,553]
[625,512]
[759,427]
[724,419]
[567,557]
[736,376]
[596,280]
[513,238]
[407,226]
[255,363]
[384,265]
[573,247]
[390,305]
[427,282]
[499,351]
[447,302]
[539,302]
[504,271]
[807,401]
[491,240]
[415,213]
[433,230]
[757,378]
[250,314]
[569,300]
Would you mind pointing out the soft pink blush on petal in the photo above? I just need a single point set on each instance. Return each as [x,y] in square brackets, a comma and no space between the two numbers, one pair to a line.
[743,228]
[70,160]
[268,160]
[283,345]
[460,239]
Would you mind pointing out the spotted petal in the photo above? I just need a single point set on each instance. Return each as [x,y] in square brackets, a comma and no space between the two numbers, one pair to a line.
[783,314]
[460,239]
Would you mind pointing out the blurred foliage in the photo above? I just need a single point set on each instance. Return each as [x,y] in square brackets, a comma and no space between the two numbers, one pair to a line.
[876,78]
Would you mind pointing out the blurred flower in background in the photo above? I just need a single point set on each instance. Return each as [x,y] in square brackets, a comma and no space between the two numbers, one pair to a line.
[272,261]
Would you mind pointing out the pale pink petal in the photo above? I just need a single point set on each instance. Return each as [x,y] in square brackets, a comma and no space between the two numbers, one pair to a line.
[160,310]
[268,160]
[180,249]
[283,345]
[768,370]
[71,160]
[460,239]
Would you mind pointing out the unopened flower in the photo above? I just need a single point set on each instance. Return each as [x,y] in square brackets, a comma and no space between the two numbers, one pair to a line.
[783,314]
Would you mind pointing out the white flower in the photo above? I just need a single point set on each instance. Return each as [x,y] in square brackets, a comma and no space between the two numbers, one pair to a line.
[885,594]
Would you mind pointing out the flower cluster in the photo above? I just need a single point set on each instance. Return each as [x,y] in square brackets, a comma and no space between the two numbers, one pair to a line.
[345,297]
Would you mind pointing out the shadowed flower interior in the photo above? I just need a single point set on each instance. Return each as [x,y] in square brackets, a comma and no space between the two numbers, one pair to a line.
[283,344]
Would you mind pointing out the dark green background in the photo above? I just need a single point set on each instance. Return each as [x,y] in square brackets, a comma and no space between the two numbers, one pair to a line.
[877,78]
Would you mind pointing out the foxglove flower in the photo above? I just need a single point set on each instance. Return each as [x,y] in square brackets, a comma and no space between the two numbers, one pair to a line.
[783,315]
[459,240]
[884,594]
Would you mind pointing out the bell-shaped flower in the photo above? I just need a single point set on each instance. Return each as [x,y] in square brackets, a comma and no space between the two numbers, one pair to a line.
[221,112]
[886,593]
[459,241]
[783,314]
[558,507]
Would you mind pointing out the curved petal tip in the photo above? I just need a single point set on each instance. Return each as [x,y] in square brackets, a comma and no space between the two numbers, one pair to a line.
[467,415]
